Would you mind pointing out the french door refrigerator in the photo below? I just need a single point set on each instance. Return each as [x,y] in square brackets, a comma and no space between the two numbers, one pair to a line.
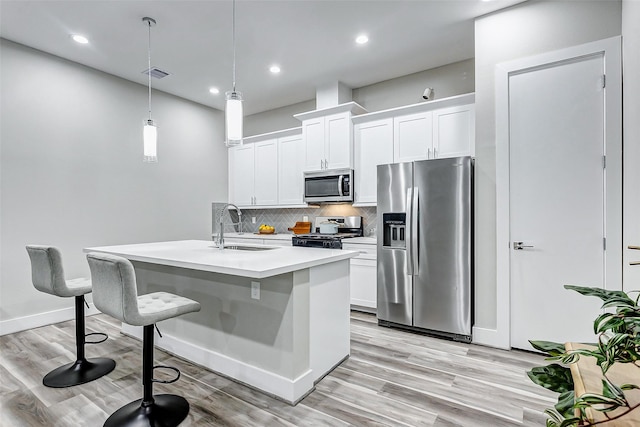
[425,244]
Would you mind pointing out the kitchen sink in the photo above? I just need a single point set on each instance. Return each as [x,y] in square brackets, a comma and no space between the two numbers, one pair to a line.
[235,247]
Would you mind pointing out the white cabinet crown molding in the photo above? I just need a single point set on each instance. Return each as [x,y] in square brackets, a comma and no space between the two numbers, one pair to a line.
[352,107]
[467,98]
[271,135]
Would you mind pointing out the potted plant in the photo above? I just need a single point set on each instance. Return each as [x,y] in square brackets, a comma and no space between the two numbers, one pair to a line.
[618,331]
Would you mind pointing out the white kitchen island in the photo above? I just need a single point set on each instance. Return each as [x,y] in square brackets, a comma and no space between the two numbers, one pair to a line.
[283,341]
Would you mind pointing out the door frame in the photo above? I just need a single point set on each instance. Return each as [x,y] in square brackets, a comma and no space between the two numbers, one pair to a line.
[612,53]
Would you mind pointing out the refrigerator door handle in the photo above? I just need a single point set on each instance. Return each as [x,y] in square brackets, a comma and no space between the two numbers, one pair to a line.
[413,237]
[409,235]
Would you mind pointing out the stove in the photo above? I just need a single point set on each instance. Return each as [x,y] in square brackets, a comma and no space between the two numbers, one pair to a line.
[348,226]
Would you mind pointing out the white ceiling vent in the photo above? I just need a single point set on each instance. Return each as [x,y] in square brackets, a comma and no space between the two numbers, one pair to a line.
[156,72]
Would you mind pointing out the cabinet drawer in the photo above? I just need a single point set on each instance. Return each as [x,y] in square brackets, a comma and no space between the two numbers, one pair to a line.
[366,251]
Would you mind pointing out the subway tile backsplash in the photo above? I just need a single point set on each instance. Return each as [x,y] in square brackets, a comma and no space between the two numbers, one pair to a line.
[284,218]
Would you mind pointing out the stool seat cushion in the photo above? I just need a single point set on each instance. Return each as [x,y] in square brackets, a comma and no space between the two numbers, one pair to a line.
[47,273]
[159,306]
[115,293]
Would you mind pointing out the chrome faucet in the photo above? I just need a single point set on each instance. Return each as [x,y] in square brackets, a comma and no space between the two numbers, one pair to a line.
[221,231]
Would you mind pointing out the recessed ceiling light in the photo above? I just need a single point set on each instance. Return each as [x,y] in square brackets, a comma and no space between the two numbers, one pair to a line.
[214,90]
[274,69]
[362,39]
[80,39]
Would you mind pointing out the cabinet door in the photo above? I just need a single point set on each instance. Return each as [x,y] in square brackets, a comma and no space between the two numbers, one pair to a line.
[241,174]
[373,147]
[338,141]
[266,172]
[363,277]
[412,137]
[454,131]
[313,135]
[290,167]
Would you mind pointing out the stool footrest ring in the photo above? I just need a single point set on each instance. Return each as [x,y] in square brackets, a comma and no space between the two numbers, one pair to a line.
[96,333]
[176,370]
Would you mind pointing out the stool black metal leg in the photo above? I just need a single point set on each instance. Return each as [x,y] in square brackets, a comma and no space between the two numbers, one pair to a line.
[82,370]
[162,410]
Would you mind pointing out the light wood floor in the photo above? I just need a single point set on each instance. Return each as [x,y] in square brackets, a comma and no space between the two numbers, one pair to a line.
[392,378]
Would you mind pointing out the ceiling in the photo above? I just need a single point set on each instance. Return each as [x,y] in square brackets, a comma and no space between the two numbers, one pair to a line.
[311,40]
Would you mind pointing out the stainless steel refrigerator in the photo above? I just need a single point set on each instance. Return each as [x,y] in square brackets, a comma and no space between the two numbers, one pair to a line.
[425,246]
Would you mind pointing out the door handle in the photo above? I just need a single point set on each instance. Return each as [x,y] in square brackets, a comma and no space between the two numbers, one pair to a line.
[520,246]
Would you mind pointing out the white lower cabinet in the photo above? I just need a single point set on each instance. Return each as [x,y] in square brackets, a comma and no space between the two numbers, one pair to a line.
[363,277]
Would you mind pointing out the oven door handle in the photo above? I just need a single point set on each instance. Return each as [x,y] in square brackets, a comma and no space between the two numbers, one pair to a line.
[340,181]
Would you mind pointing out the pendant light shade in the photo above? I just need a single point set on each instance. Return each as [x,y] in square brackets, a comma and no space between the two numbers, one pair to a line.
[150,138]
[233,112]
[149,130]
[233,109]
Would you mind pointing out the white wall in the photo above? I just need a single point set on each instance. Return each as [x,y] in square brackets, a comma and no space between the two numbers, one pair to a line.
[448,80]
[72,173]
[526,29]
[631,113]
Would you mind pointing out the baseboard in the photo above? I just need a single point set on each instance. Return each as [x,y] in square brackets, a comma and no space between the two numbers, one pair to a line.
[18,324]
[489,337]
[288,390]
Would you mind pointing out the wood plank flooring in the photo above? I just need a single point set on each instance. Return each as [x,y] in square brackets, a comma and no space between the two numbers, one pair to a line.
[392,378]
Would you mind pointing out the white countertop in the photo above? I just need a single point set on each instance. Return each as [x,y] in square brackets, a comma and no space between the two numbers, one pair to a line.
[203,255]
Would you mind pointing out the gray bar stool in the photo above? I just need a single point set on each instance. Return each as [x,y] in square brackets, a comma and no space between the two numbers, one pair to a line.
[115,294]
[47,276]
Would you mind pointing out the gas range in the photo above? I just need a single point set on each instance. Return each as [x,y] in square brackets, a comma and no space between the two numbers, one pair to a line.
[350,226]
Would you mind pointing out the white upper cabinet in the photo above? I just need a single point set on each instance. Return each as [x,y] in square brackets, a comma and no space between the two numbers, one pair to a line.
[290,167]
[454,131]
[241,174]
[328,137]
[373,147]
[266,173]
[313,133]
[428,130]
[412,136]
[266,170]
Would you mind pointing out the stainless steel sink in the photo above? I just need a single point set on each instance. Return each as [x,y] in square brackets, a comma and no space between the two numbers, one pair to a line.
[248,248]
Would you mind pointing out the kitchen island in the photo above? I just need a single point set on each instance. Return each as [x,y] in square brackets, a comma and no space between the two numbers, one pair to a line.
[275,319]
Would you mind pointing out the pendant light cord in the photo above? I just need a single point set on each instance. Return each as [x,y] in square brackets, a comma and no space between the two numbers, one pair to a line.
[149,69]
[233,30]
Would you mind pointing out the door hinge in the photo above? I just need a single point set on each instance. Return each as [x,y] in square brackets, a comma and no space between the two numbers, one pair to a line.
[604,162]
[604,81]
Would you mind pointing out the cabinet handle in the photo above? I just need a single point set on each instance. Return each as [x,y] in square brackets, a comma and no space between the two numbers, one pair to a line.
[435,153]
[321,164]
[428,153]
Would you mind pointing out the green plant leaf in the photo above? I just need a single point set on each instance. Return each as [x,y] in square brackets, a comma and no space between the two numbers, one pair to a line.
[548,347]
[611,390]
[603,294]
[553,377]
[629,387]
[565,403]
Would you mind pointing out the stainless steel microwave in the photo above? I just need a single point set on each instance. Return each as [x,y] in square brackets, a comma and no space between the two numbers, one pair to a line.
[328,186]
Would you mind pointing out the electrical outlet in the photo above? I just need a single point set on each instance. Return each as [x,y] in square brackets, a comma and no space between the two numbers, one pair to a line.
[253,220]
[255,290]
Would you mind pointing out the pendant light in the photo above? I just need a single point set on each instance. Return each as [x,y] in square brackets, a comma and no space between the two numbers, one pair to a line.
[233,109]
[150,130]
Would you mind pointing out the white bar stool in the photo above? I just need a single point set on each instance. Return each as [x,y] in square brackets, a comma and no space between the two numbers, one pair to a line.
[115,294]
[47,276]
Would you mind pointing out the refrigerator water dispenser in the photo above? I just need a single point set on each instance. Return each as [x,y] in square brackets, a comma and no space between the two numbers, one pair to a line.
[393,233]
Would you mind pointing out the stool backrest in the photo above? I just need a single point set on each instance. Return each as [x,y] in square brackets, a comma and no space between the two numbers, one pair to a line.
[114,286]
[47,274]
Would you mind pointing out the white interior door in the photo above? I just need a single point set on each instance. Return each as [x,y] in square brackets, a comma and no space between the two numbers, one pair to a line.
[557,199]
